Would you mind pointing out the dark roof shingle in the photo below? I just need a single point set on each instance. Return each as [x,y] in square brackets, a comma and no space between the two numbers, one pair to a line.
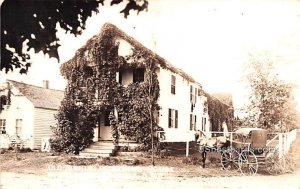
[39,96]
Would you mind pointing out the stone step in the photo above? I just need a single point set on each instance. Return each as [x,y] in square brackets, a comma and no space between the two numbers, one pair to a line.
[99,151]
[100,147]
[102,144]
[95,155]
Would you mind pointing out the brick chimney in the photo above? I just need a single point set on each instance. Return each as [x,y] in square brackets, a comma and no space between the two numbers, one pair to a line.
[46,84]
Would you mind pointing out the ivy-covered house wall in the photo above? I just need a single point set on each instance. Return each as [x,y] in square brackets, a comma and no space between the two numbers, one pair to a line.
[98,88]
[119,89]
[219,113]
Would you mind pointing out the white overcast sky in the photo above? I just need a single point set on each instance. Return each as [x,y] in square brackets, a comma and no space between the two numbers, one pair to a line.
[209,39]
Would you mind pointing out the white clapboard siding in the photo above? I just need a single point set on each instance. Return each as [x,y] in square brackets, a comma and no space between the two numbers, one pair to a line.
[43,119]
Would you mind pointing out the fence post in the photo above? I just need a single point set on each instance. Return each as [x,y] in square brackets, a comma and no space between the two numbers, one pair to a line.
[280,146]
[187,148]
[286,143]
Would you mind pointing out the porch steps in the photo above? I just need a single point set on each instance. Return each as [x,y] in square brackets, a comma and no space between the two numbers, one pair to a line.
[99,149]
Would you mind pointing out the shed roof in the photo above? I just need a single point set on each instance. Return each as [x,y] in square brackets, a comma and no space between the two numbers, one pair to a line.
[39,96]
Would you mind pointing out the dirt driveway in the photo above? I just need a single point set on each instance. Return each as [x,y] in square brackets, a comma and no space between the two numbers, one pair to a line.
[33,171]
[114,177]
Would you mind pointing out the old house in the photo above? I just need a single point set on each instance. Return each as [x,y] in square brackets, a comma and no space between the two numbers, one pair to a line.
[27,112]
[112,73]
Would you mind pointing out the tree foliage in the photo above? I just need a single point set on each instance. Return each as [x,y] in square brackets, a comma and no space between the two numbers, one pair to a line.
[271,104]
[34,23]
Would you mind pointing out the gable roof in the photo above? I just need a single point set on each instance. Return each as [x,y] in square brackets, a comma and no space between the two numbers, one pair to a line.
[112,29]
[39,96]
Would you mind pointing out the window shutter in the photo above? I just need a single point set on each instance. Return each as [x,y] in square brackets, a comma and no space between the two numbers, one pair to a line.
[170,118]
[191,122]
[195,122]
[191,93]
[176,118]
[120,77]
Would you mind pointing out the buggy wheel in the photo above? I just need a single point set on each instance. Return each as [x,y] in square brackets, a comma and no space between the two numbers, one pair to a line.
[230,159]
[248,163]
[275,165]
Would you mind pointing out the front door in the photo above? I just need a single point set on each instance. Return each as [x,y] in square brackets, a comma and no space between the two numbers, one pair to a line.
[104,131]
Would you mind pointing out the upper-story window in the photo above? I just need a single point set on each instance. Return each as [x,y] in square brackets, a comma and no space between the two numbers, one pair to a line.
[199,92]
[193,122]
[173,84]
[173,118]
[2,126]
[18,127]
[192,94]
[138,75]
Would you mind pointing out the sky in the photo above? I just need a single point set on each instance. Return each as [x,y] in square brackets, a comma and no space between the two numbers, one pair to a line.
[211,40]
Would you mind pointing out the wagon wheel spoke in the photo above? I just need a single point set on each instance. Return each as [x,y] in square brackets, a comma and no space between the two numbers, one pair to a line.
[248,163]
[230,159]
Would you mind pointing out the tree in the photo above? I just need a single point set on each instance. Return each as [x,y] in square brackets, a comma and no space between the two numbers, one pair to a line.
[271,104]
[34,23]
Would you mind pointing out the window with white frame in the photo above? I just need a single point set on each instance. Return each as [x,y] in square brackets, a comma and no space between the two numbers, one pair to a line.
[2,126]
[18,127]
[173,84]
[203,124]
[193,93]
[173,118]
[199,92]
[193,122]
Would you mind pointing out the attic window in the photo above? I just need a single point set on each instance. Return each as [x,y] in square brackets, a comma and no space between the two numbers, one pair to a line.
[138,75]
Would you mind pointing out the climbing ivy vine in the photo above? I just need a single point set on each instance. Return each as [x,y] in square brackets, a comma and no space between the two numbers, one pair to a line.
[92,89]
[218,113]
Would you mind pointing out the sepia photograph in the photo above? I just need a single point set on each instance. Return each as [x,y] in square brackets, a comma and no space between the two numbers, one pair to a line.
[125,94]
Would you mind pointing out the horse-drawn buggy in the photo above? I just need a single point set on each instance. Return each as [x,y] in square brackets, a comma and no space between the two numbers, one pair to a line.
[244,150]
